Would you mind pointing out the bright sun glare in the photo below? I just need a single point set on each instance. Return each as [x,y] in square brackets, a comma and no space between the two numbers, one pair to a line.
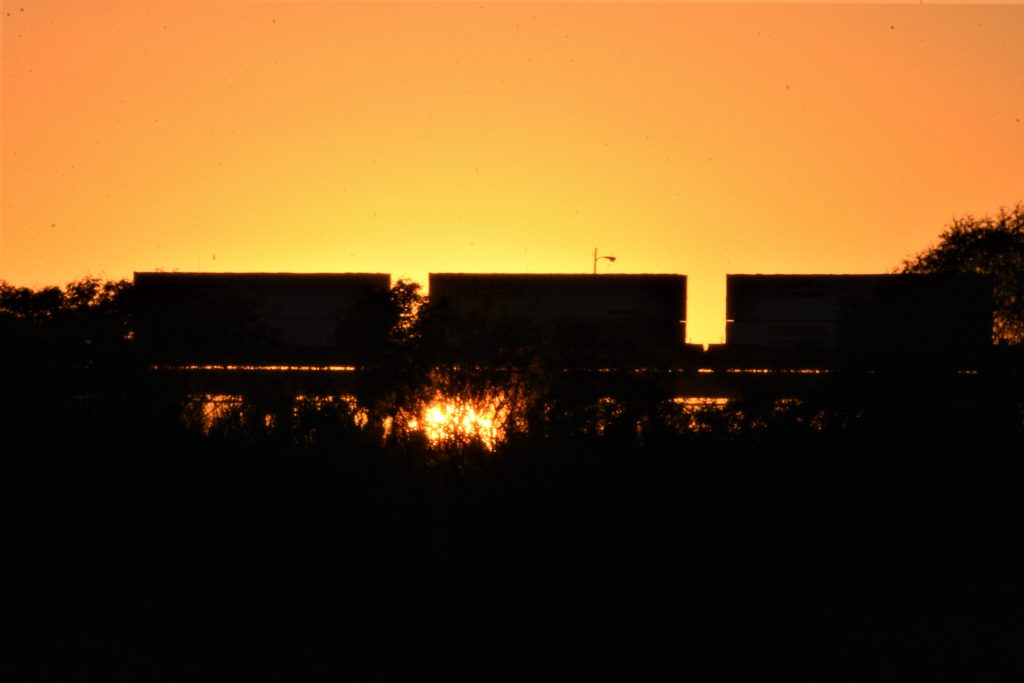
[446,420]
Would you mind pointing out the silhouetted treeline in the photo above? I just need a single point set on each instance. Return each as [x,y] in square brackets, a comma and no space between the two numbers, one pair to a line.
[863,532]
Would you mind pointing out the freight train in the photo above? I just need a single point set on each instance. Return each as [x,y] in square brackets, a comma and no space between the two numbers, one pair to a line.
[618,321]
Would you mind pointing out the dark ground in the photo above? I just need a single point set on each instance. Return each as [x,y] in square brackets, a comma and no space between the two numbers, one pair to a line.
[145,553]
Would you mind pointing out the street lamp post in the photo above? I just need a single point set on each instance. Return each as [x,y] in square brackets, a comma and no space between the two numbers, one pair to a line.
[596,257]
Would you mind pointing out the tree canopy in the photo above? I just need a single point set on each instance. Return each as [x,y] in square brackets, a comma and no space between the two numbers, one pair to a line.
[986,245]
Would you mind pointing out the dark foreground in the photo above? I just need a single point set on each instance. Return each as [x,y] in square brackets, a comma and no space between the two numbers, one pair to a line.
[150,553]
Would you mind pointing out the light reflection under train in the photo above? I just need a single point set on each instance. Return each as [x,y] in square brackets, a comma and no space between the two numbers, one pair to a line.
[447,420]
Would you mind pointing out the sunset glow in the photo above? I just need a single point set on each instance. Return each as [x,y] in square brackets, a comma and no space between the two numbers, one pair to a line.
[446,420]
[425,137]
[206,411]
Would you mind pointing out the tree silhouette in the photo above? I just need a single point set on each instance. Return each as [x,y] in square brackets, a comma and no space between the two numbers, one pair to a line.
[987,245]
[84,326]
[69,365]
[383,333]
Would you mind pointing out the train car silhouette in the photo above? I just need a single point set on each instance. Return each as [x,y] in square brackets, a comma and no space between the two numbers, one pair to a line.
[257,319]
[858,319]
[572,319]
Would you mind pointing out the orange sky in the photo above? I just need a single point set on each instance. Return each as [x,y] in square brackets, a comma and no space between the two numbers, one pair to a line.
[407,138]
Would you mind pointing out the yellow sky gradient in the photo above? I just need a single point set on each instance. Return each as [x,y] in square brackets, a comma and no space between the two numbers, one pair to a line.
[416,137]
